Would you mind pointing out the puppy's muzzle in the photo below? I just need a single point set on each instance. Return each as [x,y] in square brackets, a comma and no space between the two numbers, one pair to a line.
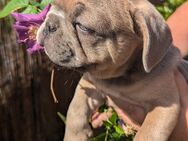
[48,30]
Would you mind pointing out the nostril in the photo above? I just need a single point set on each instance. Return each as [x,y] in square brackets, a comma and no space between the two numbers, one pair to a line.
[41,44]
[49,28]
[40,41]
[52,28]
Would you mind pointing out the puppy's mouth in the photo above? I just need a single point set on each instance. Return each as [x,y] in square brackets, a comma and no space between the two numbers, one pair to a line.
[81,69]
[85,68]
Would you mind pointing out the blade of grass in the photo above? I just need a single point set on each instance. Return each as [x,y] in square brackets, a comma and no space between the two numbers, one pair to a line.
[62,117]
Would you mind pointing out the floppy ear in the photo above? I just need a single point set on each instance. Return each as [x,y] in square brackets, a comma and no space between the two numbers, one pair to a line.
[151,26]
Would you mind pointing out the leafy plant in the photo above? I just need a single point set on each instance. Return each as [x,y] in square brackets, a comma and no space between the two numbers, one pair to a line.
[12,6]
[115,129]
[168,7]
[33,6]
[24,6]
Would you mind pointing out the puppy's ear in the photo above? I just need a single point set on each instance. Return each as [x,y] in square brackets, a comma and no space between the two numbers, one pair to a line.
[151,27]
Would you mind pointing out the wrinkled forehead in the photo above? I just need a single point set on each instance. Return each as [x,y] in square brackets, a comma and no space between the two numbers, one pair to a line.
[99,4]
[109,12]
[69,4]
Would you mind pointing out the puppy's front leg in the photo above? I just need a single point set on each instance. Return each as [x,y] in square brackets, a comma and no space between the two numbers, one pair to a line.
[85,101]
[159,124]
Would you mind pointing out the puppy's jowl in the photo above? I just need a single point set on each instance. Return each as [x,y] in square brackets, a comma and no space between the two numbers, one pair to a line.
[125,49]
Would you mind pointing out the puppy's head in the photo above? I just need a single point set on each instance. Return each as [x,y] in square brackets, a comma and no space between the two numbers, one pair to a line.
[104,36]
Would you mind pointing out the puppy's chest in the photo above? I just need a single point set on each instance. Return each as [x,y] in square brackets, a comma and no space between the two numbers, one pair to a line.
[138,94]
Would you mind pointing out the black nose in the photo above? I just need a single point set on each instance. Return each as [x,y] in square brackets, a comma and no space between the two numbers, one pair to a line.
[66,55]
[49,28]
[41,43]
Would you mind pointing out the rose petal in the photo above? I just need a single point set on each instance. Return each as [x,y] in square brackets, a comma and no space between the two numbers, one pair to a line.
[35,18]
[29,18]
[22,33]
[44,12]
[36,48]
[20,28]
[24,24]
[30,43]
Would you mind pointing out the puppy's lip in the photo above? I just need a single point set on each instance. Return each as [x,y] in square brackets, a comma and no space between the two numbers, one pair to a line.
[81,69]
[85,67]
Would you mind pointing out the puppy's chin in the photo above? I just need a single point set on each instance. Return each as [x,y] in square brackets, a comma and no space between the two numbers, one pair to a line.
[81,69]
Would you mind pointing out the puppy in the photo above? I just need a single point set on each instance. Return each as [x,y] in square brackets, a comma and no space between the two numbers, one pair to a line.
[125,50]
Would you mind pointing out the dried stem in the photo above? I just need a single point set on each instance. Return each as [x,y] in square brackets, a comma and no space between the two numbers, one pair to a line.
[51,86]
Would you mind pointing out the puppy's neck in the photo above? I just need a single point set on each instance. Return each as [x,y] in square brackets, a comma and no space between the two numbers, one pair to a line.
[133,71]
[136,72]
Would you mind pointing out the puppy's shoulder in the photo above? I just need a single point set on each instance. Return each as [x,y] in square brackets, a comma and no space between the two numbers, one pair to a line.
[171,60]
[183,68]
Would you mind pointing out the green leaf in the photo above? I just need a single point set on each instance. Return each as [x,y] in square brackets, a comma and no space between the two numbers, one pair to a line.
[119,130]
[12,6]
[45,2]
[115,136]
[107,124]
[113,119]
[30,10]
[169,6]
[34,3]
[100,137]
[62,117]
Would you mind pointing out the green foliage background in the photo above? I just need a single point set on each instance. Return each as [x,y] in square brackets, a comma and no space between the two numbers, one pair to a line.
[24,6]
[34,6]
[168,7]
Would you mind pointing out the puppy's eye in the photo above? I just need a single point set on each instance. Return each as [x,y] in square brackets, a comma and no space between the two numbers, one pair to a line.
[84,28]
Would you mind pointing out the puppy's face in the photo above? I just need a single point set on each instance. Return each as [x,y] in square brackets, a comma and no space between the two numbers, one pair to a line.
[99,36]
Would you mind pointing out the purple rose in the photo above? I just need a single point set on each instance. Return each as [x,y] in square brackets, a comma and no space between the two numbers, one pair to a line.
[26,27]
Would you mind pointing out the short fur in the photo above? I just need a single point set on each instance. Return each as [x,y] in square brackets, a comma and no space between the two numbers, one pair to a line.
[125,49]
